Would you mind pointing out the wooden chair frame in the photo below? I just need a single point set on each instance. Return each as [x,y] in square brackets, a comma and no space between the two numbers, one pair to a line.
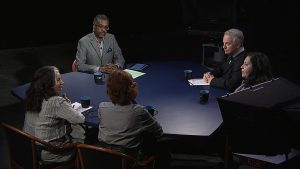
[124,158]
[36,164]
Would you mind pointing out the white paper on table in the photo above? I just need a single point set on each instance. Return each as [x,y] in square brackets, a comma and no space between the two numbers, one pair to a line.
[195,82]
[78,108]
[134,73]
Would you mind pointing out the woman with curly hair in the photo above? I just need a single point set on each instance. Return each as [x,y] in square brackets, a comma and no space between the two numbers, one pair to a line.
[123,122]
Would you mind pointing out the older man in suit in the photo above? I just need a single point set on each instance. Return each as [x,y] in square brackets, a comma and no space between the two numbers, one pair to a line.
[99,50]
[229,75]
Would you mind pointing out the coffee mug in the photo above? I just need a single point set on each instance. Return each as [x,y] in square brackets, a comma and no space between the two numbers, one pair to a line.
[188,74]
[204,95]
[98,77]
[85,101]
[152,110]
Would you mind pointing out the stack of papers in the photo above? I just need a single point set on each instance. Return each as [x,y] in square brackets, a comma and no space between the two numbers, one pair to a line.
[194,82]
[134,73]
[138,67]
[78,108]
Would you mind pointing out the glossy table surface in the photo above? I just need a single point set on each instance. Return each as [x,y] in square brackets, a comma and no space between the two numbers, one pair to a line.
[164,87]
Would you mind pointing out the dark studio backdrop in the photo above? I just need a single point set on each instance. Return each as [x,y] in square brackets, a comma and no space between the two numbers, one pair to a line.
[158,30]
[37,33]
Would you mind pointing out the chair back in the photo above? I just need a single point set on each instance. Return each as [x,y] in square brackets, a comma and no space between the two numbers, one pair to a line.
[21,148]
[95,157]
[74,66]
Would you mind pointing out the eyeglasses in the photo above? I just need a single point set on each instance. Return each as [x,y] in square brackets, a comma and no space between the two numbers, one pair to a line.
[102,27]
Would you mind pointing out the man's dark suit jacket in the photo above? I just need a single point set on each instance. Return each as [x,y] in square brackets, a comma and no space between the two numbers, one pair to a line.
[229,75]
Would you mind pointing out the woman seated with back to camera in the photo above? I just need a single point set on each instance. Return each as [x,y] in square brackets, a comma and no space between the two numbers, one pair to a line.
[123,122]
[256,69]
[48,115]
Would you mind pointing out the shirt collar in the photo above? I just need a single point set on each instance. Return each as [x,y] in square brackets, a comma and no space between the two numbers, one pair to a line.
[97,39]
[238,52]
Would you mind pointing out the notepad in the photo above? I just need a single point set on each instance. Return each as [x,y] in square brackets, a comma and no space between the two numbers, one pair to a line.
[138,67]
[78,108]
[195,82]
[134,73]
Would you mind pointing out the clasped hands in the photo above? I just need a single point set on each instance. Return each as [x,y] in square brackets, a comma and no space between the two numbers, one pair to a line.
[207,77]
[108,68]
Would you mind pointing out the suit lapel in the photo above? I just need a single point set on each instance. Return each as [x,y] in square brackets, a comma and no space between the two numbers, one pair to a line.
[227,66]
[93,41]
[105,46]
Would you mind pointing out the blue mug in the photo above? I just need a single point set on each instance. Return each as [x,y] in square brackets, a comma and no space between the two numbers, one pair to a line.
[85,101]
[98,77]
[188,74]
[204,95]
[152,110]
